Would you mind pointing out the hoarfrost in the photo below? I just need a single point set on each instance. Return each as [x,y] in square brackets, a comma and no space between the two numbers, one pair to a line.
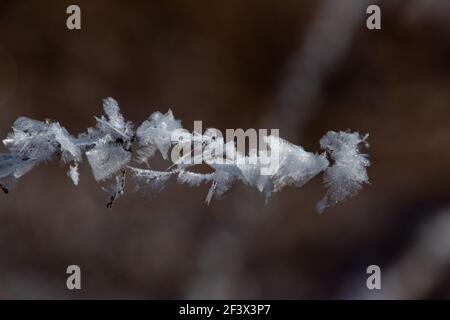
[193,179]
[295,165]
[155,133]
[106,159]
[112,144]
[347,175]
[149,180]
[74,174]
[115,124]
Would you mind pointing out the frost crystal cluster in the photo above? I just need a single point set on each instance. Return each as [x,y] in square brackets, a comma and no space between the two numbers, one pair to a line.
[114,150]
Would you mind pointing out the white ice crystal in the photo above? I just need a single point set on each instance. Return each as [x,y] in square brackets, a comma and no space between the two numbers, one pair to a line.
[225,175]
[155,133]
[67,144]
[108,145]
[346,176]
[107,158]
[74,174]
[112,144]
[114,124]
[12,167]
[251,174]
[33,142]
[295,165]
[32,139]
[194,179]
[150,180]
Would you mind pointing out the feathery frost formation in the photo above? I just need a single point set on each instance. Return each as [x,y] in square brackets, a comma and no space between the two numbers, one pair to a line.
[113,145]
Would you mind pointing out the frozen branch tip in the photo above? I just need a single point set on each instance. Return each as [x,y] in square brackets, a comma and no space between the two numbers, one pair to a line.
[114,151]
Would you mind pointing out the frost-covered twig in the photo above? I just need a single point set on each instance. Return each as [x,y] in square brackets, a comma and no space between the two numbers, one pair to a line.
[113,144]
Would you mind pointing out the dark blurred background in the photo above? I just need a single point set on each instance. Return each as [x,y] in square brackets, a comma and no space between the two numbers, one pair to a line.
[305,67]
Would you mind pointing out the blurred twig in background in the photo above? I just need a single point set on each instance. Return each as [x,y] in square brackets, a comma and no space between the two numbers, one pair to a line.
[326,42]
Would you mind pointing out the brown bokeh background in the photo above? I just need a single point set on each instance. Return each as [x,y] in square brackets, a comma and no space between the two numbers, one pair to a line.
[305,67]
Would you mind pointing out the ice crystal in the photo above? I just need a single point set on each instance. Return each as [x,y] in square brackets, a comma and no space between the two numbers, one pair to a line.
[74,174]
[155,133]
[112,144]
[347,175]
